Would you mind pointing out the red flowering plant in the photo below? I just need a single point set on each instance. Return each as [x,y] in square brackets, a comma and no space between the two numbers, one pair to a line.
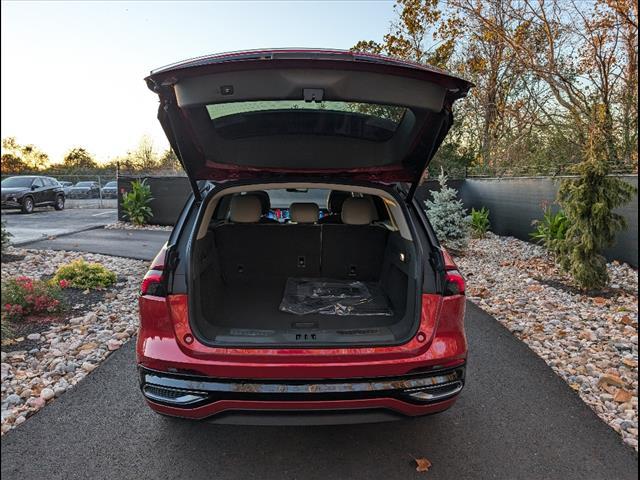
[24,296]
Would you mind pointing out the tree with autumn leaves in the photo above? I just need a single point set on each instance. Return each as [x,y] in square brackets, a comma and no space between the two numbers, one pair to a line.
[540,67]
[556,93]
[28,159]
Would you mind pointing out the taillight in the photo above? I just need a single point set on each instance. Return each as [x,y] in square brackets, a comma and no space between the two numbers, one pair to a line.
[454,282]
[153,281]
[152,284]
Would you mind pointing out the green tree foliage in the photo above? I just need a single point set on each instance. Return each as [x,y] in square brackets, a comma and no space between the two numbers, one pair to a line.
[169,160]
[11,163]
[539,69]
[589,202]
[142,158]
[22,157]
[448,217]
[79,159]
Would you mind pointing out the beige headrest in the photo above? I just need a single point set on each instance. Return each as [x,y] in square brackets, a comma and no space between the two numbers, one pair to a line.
[245,209]
[303,212]
[357,211]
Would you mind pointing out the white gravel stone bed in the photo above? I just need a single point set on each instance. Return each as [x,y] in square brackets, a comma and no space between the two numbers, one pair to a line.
[591,342]
[130,226]
[66,352]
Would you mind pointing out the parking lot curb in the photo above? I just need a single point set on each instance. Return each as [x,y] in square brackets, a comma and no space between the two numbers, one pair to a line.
[49,237]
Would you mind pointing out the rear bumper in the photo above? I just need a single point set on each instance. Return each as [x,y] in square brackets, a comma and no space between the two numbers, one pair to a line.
[311,402]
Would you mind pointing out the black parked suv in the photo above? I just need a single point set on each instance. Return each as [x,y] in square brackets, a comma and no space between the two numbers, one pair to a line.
[27,192]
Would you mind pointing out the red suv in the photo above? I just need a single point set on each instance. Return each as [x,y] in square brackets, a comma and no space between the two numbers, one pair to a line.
[302,282]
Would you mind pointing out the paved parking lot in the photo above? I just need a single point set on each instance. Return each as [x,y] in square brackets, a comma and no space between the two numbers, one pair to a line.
[138,244]
[47,222]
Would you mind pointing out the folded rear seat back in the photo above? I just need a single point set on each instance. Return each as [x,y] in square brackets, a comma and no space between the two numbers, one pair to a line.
[249,250]
[354,249]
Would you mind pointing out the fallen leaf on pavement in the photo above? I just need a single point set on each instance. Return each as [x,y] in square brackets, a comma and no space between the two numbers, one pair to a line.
[422,464]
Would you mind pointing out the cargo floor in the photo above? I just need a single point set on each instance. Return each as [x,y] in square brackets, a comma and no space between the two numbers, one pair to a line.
[256,305]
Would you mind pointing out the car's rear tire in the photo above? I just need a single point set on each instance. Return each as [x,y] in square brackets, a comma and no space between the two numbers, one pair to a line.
[27,205]
[59,205]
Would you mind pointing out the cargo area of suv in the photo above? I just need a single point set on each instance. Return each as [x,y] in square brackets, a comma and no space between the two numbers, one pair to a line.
[303,281]
[346,278]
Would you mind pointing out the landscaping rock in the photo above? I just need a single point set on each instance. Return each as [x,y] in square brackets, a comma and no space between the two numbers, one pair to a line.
[70,350]
[119,225]
[13,399]
[47,394]
[589,341]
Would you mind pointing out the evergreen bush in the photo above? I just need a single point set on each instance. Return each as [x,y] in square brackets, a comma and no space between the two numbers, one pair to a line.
[83,275]
[588,202]
[448,217]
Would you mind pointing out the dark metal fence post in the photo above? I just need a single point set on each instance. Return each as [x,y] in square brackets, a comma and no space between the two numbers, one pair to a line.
[118,190]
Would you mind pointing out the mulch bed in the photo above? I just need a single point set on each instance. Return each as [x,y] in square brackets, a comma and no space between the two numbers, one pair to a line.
[76,302]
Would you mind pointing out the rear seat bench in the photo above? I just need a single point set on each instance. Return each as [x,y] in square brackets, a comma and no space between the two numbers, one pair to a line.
[248,249]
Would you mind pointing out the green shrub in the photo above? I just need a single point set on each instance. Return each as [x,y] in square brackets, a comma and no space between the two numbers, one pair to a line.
[136,203]
[589,202]
[5,235]
[480,222]
[23,296]
[83,275]
[550,230]
[448,217]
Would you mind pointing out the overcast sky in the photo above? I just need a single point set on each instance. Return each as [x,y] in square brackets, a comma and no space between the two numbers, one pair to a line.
[72,72]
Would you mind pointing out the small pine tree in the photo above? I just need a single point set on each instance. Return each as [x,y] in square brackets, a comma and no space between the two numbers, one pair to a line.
[588,204]
[448,216]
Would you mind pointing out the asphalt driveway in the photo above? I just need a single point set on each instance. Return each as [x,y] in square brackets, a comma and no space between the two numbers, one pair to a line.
[515,420]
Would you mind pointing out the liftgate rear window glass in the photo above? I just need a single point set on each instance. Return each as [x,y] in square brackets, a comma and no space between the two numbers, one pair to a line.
[277,117]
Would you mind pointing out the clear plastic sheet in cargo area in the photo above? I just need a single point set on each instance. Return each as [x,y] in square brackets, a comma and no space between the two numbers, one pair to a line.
[303,296]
